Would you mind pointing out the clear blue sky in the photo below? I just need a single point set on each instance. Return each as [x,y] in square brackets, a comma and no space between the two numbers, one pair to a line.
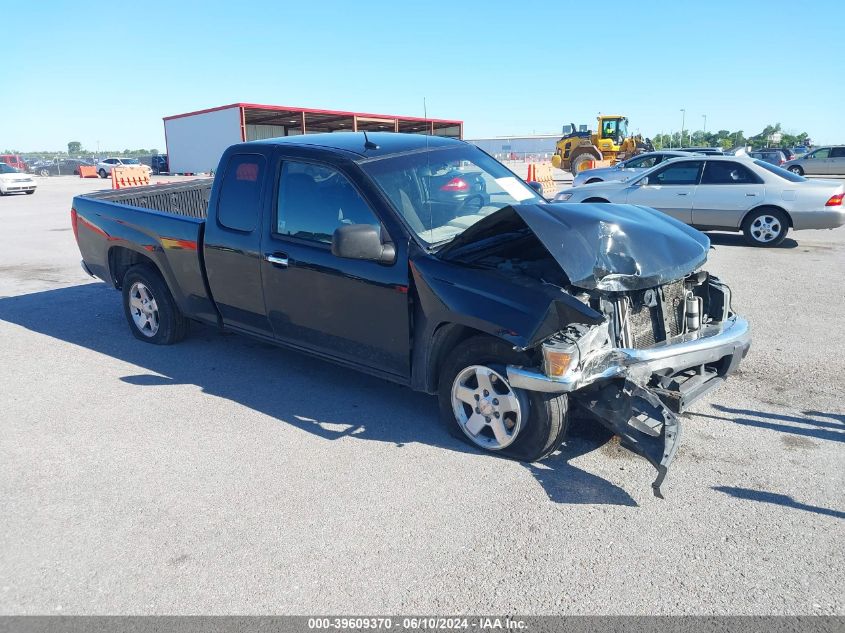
[109,71]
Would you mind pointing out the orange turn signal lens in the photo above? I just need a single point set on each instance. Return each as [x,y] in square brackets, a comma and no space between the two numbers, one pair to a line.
[556,363]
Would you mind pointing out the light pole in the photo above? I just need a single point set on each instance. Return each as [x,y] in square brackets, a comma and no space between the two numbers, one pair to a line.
[704,116]
[683,119]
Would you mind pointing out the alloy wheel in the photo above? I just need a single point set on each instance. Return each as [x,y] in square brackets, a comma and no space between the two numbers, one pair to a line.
[486,407]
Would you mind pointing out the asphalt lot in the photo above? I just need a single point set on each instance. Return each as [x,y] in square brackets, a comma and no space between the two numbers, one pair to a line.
[223,475]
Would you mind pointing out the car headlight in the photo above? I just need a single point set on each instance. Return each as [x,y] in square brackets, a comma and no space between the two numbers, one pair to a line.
[562,197]
[558,357]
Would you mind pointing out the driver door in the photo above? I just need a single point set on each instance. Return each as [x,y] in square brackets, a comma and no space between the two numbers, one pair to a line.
[353,310]
[670,189]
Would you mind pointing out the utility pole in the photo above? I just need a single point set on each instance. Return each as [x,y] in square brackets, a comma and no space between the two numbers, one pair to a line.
[683,120]
[705,122]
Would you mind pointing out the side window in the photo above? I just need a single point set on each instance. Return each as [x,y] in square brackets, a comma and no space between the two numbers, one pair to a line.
[240,192]
[821,153]
[837,152]
[315,200]
[685,173]
[727,173]
[643,163]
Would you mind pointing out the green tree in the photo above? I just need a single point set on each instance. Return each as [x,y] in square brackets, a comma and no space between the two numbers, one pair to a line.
[74,147]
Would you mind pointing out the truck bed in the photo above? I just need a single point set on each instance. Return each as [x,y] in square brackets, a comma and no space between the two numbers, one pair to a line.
[181,198]
[160,224]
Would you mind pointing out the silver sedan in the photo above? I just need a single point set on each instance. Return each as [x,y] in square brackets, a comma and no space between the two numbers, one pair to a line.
[627,168]
[727,193]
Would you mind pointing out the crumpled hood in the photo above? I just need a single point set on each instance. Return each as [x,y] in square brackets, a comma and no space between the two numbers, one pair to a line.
[612,247]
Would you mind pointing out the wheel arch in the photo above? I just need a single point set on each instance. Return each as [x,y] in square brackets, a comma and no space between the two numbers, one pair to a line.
[760,207]
[122,258]
[446,336]
[595,199]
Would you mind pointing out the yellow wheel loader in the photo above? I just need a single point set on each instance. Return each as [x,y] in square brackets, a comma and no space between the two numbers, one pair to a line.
[610,144]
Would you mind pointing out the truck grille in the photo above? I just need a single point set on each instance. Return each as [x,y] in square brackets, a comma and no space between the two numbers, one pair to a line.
[650,324]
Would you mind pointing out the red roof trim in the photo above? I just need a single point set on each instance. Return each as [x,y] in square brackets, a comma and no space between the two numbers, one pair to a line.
[257,106]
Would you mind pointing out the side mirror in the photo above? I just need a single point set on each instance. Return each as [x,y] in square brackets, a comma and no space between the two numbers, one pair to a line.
[361,241]
[642,182]
[536,186]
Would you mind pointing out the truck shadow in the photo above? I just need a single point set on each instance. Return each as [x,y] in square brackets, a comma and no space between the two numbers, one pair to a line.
[309,394]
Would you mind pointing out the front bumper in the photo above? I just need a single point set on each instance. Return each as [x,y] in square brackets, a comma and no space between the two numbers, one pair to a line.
[14,186]
[712,343]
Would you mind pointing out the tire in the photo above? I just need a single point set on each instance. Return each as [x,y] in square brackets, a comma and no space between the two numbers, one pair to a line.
[165,324]
[796,169]
[576,162]
[103,173]
[538,421]
[765,227]
[44,172]
[595,200]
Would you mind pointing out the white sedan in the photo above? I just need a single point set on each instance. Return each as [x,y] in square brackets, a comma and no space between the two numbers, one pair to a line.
[104,167]
[727,193]
[14,181]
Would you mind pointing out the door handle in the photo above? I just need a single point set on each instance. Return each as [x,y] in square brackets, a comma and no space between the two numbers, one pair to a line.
[277,260]
[751,195]
[685,193]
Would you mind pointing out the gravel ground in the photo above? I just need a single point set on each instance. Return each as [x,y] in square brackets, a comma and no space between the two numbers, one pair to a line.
[223,475]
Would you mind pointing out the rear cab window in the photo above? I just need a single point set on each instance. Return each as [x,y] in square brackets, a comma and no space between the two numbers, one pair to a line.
[240,192]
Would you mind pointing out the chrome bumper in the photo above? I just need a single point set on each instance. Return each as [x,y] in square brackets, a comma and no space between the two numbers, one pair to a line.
[707,345]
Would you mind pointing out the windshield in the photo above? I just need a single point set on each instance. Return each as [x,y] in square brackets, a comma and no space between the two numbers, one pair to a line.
[440,193]
[777,171]
[7,169]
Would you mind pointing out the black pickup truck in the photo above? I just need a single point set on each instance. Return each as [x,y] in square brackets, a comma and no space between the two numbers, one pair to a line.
[426,262]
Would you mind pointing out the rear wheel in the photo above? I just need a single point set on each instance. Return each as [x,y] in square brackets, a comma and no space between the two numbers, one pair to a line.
[796,169]
[765,227]
[44,172]
[150,310]
[103,173]
[480,407]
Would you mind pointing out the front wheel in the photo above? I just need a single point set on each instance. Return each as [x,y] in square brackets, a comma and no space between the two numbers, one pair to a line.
[479,406]
[795,169]
[44,172]
[150,310]
[103,173]
[765,227]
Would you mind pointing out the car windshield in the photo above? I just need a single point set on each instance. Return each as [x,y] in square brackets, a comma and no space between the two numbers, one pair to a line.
[777,171]
[442,192]
[7,169]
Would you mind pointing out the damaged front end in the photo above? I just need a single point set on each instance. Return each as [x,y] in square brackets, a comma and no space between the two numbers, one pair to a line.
[668,334]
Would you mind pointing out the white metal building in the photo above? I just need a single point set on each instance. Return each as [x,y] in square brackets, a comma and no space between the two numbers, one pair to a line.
[196,140]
